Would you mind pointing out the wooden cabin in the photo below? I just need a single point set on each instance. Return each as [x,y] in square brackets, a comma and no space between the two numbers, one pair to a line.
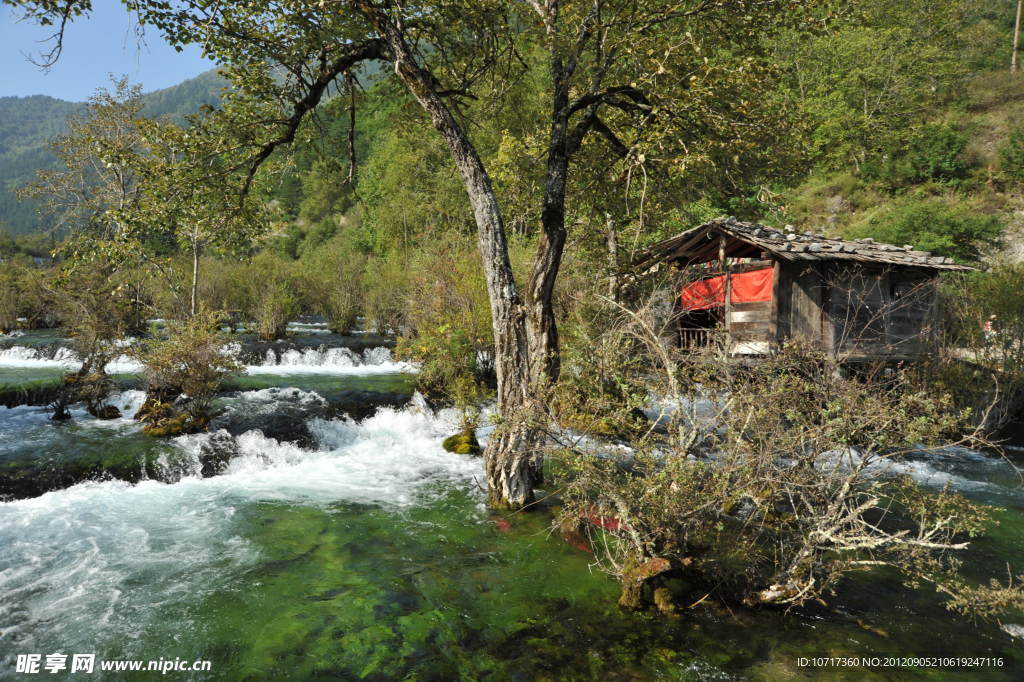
[859,300]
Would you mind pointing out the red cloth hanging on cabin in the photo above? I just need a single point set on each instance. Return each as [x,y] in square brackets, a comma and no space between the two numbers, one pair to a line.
[746,287]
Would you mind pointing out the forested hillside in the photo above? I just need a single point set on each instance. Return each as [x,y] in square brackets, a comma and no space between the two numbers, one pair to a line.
[28,124]
[901,124]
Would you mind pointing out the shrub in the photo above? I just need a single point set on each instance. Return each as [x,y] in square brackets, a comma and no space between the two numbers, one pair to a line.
[334,284]
[983,368]
[1011,156]
[228,286]
[386,289]
[448,329]
[943,229]
[275,307]
[98,312]
[275,299]
[768,484]
[936,154]
[183,374]
[8,306]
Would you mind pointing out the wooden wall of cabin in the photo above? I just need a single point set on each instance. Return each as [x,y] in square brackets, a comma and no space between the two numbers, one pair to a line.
[877,312]
[801,292]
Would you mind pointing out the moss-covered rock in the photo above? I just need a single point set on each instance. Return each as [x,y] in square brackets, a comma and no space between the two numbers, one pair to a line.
[175,425]
[106,412]
[463,443]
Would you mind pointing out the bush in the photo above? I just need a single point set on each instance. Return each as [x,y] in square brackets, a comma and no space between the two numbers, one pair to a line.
[287,245]
[334,284]
[228,286]
[183,374]
[386,289]
[943,229]
[448,320]
[983,368]
[98,312]
[936,154]
[768,484]
[1011,156]
[25,292]
[8,302]
[275,307]
[275,299]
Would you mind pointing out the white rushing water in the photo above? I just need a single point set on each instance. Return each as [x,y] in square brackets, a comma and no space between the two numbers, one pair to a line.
[108,557]
[330,361]
[340,361]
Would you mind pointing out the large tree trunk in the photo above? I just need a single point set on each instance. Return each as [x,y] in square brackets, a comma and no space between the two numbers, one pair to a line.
[542,327]
[510,452]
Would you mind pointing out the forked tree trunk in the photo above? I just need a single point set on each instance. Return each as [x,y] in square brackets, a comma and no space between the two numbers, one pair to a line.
[509,456]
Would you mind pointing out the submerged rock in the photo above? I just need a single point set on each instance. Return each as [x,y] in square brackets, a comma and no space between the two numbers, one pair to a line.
[106,412]
[463,443]
[284,414]
[33,476]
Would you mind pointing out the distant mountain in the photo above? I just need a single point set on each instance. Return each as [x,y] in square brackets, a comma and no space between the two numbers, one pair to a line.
[27,124]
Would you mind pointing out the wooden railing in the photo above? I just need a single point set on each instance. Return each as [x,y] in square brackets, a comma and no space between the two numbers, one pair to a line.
[694,338]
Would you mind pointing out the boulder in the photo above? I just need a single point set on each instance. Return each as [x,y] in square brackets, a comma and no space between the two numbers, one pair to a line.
[463,443]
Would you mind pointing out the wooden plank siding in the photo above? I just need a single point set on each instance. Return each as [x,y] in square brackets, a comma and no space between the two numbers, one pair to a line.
[803,293]
[880,313]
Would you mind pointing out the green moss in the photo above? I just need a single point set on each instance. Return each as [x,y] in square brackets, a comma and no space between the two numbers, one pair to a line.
[463,443]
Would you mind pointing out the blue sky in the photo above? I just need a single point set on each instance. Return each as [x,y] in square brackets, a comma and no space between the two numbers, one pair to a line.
[94,47]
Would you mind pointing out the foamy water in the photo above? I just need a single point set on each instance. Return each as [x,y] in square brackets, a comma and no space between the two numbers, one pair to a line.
[73,559]
[340,361]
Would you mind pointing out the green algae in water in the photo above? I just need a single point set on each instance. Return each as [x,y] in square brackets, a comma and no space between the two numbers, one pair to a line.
[435,592]
[296,590]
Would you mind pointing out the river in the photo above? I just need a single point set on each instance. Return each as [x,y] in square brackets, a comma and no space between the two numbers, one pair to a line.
[363,550]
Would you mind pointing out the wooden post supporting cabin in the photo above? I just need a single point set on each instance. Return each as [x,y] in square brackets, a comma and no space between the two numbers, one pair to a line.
[727,295]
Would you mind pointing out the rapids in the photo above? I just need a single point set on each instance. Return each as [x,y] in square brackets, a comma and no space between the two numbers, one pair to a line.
[365,551]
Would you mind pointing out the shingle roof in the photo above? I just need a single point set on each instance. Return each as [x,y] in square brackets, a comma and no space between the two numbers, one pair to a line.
[792,246]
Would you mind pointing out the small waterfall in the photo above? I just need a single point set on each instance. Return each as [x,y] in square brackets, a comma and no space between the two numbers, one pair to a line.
[329,361]
[22,356]
[61,357]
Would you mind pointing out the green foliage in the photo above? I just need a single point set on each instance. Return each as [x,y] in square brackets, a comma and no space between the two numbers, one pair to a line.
[324,190]
[275,300]
[984,316]
[936,154]
[1011,155]
[25,292]
[861,85]
[448,325]
[335,282]
[287,244]
[183,374]
[931,225]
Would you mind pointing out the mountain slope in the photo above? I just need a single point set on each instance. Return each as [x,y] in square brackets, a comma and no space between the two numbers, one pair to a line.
[27,124]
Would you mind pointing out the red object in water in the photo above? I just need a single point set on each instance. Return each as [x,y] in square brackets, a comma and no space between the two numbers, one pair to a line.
[582,546]
[744,287]
[606,522]
[503,525]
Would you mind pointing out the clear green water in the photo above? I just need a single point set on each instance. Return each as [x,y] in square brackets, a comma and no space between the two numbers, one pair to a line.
[370,556]
[327,385]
